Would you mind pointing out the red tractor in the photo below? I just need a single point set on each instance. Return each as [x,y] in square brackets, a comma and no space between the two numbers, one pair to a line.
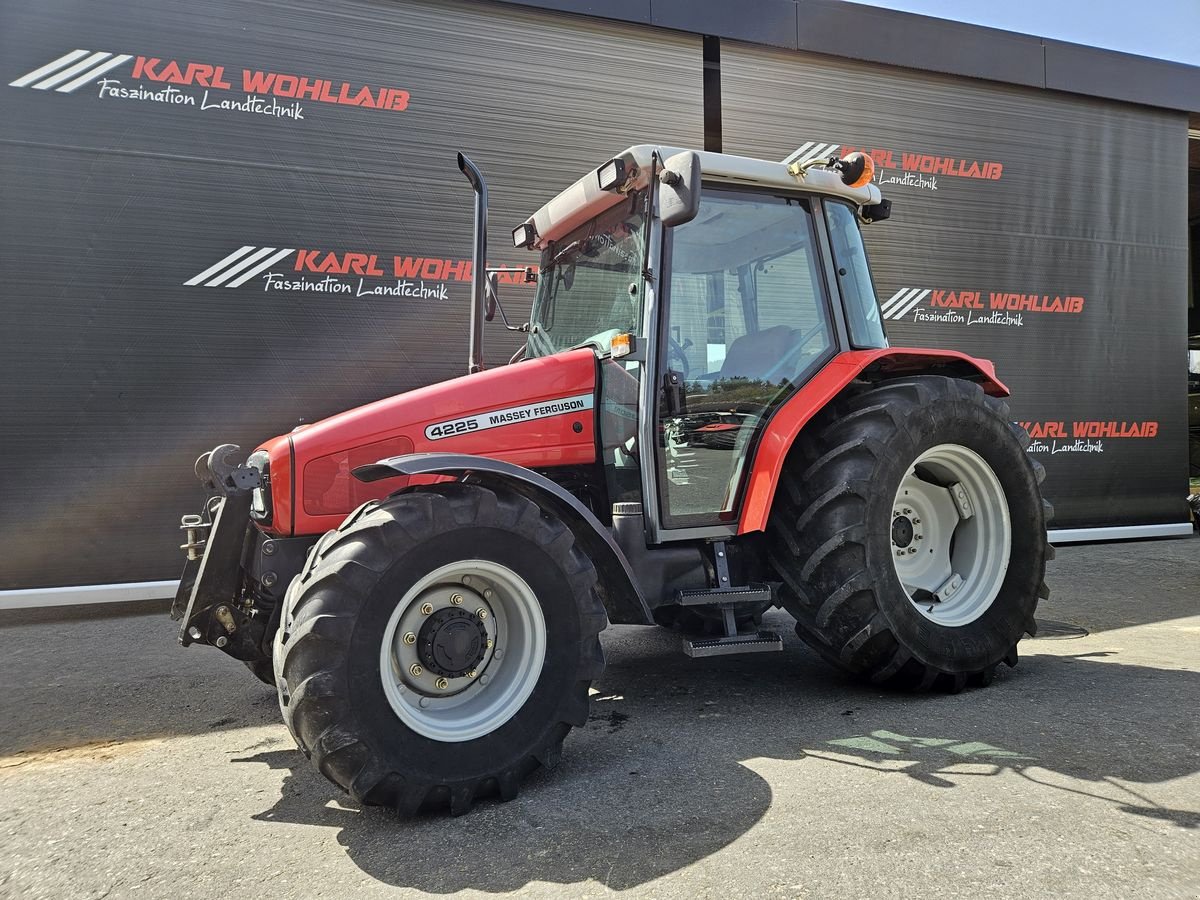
[706,421]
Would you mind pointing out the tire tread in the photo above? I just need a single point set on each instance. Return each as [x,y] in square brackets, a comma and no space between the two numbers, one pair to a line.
[814,539]
[321,606]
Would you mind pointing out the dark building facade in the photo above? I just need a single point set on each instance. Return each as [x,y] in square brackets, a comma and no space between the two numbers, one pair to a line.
[227,219]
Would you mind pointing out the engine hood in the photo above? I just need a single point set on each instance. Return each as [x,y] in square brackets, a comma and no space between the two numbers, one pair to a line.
[538,413]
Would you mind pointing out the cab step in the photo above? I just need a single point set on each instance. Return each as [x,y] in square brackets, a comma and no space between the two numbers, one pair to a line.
[758,642]
[751,593]
[727,598]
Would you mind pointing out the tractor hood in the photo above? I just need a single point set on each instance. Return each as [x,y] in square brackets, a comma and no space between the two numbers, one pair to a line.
[538,413]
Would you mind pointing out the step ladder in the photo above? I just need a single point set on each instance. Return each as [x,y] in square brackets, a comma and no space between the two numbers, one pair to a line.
[728,598]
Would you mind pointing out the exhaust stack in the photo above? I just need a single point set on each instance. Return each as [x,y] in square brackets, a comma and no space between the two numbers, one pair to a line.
[478,263]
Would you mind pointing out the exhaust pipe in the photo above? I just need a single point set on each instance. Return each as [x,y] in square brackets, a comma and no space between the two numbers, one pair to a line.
[478,264]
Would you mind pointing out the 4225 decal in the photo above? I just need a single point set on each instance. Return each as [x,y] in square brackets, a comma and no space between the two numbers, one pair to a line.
[511,415]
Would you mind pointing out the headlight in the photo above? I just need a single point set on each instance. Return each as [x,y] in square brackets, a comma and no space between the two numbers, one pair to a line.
[260,497]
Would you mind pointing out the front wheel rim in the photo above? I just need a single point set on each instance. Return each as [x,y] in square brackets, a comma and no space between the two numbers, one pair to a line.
[499,622]
[951,535]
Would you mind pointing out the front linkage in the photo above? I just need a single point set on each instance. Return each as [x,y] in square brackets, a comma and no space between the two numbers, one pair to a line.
[235,576]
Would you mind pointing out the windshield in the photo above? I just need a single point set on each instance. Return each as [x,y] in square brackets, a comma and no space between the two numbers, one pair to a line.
[590,286]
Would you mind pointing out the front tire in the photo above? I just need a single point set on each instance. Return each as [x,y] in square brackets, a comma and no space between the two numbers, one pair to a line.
[439,646]
[910,534]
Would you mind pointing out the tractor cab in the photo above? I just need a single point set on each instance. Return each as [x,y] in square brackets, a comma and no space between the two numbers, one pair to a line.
[713,288]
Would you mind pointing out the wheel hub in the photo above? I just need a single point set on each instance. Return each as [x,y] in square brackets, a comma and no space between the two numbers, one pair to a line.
[902,531]
[452,642]
[951,534]
[462,650]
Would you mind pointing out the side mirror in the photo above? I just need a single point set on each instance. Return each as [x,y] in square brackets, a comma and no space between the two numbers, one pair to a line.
[679,193]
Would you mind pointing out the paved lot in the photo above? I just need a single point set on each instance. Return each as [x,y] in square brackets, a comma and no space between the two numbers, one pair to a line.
[132,767]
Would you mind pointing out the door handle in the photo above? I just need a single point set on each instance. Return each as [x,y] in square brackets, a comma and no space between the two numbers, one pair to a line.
[674,397]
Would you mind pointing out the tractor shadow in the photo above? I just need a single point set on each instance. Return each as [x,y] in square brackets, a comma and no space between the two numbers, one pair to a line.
[659,777]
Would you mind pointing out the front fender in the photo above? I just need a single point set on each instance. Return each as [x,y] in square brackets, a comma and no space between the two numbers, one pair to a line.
[616,584]
[888,362]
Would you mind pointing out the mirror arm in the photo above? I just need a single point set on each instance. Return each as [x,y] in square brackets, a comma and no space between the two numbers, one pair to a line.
[651,193]
[493,302]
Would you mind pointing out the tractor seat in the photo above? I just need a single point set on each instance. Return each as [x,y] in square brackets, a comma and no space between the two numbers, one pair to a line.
[761,356]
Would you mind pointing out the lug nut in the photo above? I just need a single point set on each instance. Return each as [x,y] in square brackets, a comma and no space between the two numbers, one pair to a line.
[481,612]
[916,521]
[426,609]
[489,643]
[471,674]
[499,654]
[488,593]
[466,579]
[456,599]
[415,670]
[912,549]
[907,511]
[410,638]
[441,684]
[485,679]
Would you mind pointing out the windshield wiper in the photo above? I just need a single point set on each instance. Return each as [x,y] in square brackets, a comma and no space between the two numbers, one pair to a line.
[574,245]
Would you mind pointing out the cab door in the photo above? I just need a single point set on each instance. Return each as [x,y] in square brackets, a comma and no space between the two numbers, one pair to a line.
[745,320]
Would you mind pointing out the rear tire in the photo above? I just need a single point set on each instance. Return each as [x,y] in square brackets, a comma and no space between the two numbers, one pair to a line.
[841,550]
[460,728]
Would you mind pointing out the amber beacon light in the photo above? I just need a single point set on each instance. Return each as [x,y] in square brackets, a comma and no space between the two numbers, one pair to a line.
[857,169]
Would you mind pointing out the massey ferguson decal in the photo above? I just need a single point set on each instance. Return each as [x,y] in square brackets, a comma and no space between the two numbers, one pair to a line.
[975,307]
[904,167]
[509,416]
[154,79]
[403,276]
[1083,436]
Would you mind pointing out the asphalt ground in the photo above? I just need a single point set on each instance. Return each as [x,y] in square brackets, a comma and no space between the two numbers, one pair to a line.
[130,767]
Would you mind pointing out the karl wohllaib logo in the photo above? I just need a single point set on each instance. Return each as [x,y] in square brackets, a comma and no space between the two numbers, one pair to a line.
[1084,436]
[974,307]
[203,86]
[72,71]
[351,273]
[905,167]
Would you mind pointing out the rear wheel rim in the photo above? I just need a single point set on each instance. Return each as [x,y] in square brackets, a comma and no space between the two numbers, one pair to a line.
[951,535]
[476,691]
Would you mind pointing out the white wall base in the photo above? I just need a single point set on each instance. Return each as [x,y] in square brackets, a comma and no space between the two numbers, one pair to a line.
[36,598]
[1119,533]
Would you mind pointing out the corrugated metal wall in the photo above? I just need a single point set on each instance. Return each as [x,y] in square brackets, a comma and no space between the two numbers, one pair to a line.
[1071,204]
[118,373]
[166,170]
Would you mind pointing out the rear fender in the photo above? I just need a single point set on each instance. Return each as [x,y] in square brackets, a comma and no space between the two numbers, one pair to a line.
[864,365]
[616,584]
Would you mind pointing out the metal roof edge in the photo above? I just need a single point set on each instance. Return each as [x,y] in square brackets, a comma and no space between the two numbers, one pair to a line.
[912,41]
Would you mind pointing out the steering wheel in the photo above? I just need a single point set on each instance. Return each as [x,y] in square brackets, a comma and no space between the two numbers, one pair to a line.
[676,351]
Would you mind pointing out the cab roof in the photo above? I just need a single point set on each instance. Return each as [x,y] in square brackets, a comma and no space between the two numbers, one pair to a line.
[584,199]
